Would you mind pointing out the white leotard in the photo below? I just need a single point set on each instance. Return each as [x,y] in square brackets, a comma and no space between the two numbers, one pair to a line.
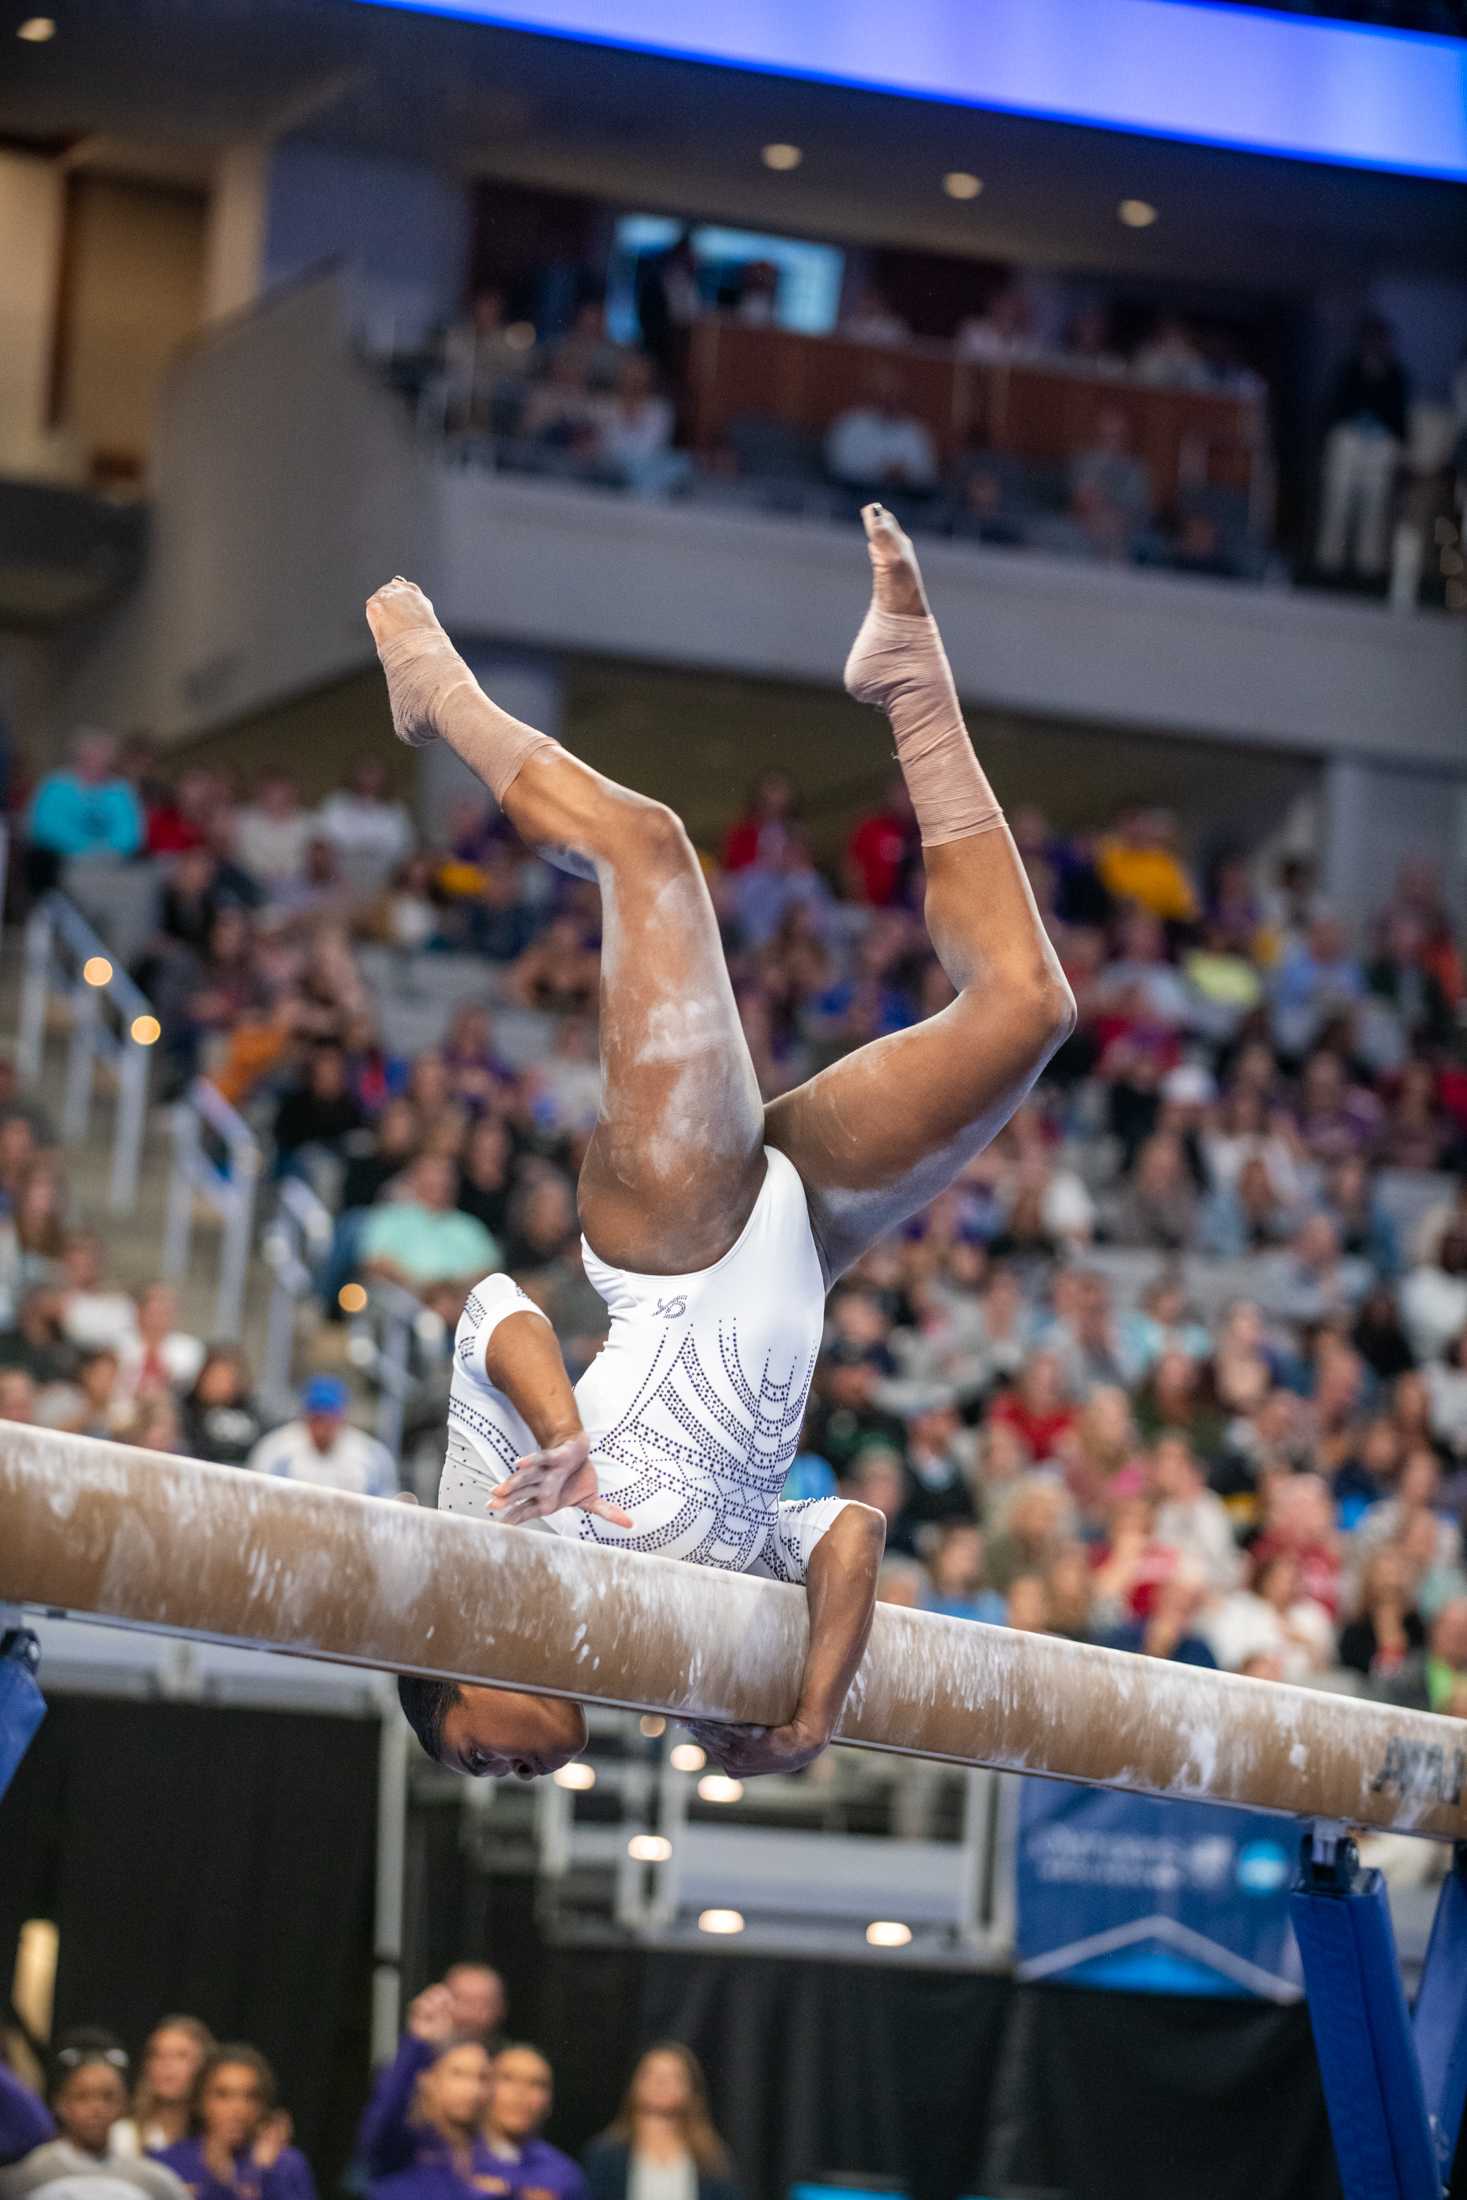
[693,1405]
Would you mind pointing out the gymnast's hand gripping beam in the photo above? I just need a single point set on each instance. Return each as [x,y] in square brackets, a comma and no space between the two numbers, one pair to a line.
[169,1545]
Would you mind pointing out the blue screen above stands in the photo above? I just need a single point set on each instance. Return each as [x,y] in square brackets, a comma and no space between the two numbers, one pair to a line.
[1305,89]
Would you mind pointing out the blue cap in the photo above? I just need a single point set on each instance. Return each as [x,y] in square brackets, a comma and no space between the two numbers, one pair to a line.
[324,1394]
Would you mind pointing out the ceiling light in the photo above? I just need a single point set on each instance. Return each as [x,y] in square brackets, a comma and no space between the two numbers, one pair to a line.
[652,1726]
[97,970]
[36,29]
[576,1776]
[687,1757]
[716,1787]
[887,1933]
[1136,213]
[781,157]
[649,1848]
[720,1921]
[146,1031]
[958,184]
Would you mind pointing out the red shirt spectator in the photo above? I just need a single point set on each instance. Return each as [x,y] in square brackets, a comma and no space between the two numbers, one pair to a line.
[882,850]
[773,805]
[1036,1405]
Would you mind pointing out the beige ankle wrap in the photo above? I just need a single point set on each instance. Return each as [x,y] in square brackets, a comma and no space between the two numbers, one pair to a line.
[898,662]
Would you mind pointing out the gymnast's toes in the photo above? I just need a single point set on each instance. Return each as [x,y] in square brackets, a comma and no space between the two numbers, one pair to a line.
[399,608]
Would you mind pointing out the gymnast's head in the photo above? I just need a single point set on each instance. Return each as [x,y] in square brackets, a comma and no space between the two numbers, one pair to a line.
[492,1732]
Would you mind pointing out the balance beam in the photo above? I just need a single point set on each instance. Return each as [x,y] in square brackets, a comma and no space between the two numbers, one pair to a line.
[168,1545]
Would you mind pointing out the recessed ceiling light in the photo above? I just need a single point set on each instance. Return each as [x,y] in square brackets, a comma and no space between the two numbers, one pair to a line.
[716,1787]
[686,1757]
[649,1848]
[1136,213]
[36,29]
[958,184]
[887,1933]
[652,1726]
[720,1921]
[781,157]
[576,1776]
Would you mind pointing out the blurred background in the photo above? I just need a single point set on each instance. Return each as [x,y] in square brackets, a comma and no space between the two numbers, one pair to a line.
[601,319]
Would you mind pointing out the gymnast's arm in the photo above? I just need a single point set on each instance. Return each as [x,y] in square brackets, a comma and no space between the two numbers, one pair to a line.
[841,1588]
[523,1360]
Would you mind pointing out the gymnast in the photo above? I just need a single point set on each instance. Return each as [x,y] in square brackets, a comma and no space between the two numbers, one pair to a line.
[714,1224]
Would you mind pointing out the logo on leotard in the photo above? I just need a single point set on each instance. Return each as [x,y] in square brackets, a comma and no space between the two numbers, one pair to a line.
[671,1311]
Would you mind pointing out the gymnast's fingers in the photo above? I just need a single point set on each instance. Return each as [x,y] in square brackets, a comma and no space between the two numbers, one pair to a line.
[605,1510]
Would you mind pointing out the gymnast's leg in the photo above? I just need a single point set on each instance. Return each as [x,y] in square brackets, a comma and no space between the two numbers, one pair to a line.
[879,1134]
[677,1159]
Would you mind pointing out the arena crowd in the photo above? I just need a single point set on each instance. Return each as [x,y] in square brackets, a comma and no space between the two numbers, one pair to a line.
[461,2109]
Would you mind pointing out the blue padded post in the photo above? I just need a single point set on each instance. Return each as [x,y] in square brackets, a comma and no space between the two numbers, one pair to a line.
[1367,2059]
[22,1706]
[1440,2022]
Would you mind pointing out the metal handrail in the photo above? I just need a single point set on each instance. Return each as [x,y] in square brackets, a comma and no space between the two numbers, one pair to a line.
[203,1123]
[112,1021]
[295,1244]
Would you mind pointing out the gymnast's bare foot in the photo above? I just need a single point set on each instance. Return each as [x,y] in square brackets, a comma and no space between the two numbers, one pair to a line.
[896,581]
[421,663]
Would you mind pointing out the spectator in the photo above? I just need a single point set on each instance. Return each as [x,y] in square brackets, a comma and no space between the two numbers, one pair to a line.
[1170,356]
[1169,1629]
[957,1586]
[1434,1297]
[221,1420]
[1004,330]
[1365,439]
[24,2121]
[662,2132]
[869,319]
[883,851]
[1036,1404]
[1157,1206]
[88,2098]
[417,1237]
[156,1355]
[37,1345]
[371,834]
[476,2002]
[881,445]
[1273,1619]
[1191,1518]
[176,2050]
[1387,1629]
[323,1447]
[85,812]
[1139,863]
[635,433]
[481,357]
[424,2131]
[272,833]
[878,1478]
[669,301]
[240,2148]
[1036,1526]
[1110,488]
[520,2099]
[1299,1523]
[1437,1680]
[772,807]
[597,359]
[319,1112]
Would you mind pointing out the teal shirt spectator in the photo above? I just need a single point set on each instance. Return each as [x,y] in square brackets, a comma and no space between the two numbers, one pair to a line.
[75,816]
[427,1245]
[809,1476]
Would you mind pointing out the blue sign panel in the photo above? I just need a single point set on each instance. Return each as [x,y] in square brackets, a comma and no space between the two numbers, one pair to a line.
[1310,90]
[1149,1897]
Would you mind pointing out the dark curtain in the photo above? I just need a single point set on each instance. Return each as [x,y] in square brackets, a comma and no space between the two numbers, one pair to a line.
[213,1861]
[958,2085]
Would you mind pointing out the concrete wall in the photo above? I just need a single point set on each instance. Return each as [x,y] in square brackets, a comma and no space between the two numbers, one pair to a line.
[287,488]
[30,245]
[677,584]
[402,231]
